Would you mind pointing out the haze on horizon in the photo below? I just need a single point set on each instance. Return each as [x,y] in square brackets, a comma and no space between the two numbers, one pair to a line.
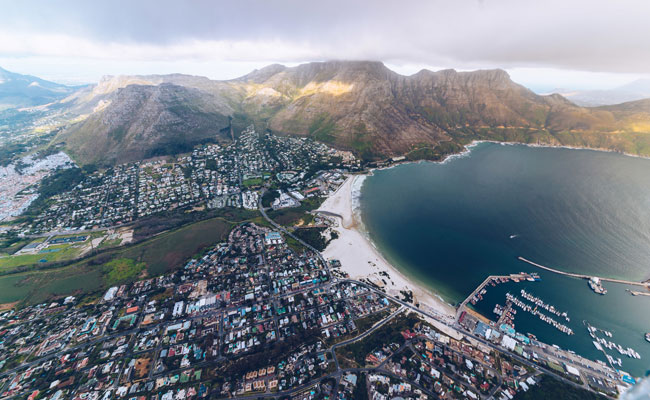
[544,45]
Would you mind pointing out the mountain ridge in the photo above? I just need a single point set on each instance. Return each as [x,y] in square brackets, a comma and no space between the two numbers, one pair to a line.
[18,90]
[361,106]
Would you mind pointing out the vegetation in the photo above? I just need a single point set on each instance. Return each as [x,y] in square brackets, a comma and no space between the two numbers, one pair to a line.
[290,216]
[313,237]
[389,333]
[268,197]
[253,182]
[11,243]
[322,128]
[439,152]
[360,391]
[93,274]
[362,142]
[50,255]
[121,270]
[58,182]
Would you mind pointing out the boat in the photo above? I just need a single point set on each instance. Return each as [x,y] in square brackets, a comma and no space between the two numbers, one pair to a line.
[596,286]
[647,336]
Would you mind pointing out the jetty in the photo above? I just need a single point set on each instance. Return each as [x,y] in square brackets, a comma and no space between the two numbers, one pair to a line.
[581,276]
[496,278]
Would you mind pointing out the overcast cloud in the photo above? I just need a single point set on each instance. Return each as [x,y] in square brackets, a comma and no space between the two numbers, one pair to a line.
[223,39]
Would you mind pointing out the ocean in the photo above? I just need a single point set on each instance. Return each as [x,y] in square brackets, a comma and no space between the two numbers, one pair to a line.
[450,225]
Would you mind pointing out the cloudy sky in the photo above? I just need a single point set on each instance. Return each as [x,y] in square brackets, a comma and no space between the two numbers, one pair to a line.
[543,44]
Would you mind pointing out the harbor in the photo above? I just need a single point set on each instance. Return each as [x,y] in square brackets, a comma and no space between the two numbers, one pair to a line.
[506,314]
[540,303]
[518,310]
[470,241]
[535,311]
[493,280]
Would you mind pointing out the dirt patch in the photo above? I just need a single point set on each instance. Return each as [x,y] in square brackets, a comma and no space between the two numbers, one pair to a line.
[8,306]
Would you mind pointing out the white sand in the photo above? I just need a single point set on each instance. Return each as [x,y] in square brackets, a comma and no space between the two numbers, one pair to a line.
[360,259]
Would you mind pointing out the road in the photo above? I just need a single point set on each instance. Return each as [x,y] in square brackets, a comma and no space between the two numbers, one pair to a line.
[426,314]
[339,372]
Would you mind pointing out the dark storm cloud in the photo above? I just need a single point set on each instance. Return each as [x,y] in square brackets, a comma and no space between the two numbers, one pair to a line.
[611,36]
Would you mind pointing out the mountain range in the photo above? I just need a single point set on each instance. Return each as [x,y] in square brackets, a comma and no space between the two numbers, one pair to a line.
[636,90]
[360,106]
[18,90]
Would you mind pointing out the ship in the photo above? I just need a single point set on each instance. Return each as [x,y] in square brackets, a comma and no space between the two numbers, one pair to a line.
[596,286]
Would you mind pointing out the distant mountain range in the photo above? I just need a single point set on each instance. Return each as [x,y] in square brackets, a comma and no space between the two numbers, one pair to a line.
[18,90]
[637,90]
[355,105]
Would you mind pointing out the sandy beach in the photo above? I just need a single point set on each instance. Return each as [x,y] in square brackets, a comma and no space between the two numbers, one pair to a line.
[359,257]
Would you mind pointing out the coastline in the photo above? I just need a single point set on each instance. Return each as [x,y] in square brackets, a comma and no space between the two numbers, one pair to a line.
[467,149]
[359,256]
[361,259]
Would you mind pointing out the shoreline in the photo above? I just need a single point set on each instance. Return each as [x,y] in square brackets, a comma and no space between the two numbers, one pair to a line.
[361,259]
[467,149]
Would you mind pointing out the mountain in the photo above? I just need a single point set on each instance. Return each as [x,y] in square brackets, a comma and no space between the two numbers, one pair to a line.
[636,90]
[17,91]
[141,121]
[357,105]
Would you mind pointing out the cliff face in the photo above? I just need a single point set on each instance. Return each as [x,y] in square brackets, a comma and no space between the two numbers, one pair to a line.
[361,106]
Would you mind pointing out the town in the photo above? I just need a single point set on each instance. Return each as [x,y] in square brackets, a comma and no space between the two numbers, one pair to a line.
[259,314]
[199,332]
[211,176]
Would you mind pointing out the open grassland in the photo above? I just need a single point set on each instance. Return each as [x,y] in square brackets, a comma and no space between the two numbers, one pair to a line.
[293,215]
[90,276]
[49,255]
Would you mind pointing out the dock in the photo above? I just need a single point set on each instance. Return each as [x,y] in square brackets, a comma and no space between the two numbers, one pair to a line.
[480,287]
[581,276]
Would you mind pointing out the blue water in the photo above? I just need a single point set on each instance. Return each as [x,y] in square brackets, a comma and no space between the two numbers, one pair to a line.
[449,225]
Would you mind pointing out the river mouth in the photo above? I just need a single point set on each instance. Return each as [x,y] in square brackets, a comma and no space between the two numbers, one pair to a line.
[450,225]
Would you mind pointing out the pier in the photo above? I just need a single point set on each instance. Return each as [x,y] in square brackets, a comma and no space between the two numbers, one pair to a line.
[487,280]
[581,276]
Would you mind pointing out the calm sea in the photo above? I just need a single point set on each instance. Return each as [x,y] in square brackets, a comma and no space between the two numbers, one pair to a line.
[451,225]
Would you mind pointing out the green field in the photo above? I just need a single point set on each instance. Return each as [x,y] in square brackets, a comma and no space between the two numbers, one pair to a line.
[52,254]
[38,286]
[291,216]
[160,254]
[166,251]
[252,182]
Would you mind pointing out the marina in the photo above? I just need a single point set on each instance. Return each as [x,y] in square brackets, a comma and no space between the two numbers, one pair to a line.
[493,280]
[535,311]
[602,343]
[469,240]
[540,303]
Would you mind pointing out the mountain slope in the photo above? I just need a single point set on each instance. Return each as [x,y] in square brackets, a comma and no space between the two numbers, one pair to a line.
[366,107]
[17,91]
[356,105]
[141,121]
